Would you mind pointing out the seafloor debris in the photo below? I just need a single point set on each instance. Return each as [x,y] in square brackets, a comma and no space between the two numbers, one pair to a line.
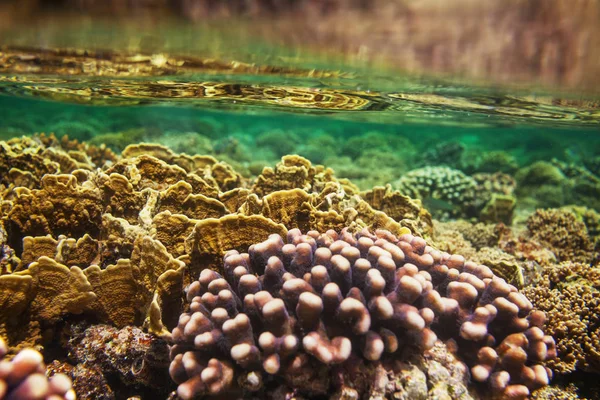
[302,308]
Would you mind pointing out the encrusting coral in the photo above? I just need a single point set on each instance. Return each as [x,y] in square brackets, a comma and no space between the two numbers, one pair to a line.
[479,235]
[135,357]
[99,356]
[288,308]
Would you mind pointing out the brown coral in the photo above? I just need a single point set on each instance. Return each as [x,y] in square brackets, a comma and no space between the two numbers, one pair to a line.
[569,296]
[24,161]
[161,279]
[179,198]
[498,209]
[16,293]
[560,230]
[61,206]
[67,251]
[400,207]
[13,156]
[120,197]
[290,207]
[172,231]
[119,298]
[503,264]
[149,172]
[211,238]
[59,290]
[292,172]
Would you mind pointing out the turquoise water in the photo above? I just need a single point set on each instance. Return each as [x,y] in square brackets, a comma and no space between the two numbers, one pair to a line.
[372,137]
[408,135]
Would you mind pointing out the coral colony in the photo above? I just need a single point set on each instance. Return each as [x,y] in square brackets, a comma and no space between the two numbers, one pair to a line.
[336,296]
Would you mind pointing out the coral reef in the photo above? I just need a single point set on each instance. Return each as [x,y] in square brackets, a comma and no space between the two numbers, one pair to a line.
[319,148]
[91,237]
[558,183]
[356,145]
[471,161]
[448,154]
[187,142]
[279,142]
[552,235]
[494,162]
[543,182]
[290,309]
[116,244]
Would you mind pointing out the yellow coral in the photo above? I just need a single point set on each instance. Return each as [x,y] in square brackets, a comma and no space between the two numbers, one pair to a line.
[118,291]
[59,289]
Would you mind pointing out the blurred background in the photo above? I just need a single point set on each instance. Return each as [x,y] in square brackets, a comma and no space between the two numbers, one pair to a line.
[546,43]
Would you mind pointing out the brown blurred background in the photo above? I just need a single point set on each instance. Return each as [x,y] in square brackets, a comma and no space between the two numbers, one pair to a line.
[552,43]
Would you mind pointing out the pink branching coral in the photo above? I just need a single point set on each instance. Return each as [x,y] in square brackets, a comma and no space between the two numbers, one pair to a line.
[286,306]
[24,377]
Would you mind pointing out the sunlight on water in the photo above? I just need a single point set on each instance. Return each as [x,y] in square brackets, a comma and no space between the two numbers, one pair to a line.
[118,79]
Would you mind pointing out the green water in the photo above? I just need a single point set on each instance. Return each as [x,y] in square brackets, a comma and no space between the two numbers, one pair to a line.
[517,129]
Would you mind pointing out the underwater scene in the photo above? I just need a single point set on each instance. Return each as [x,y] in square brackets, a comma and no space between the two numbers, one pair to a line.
[299,199]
